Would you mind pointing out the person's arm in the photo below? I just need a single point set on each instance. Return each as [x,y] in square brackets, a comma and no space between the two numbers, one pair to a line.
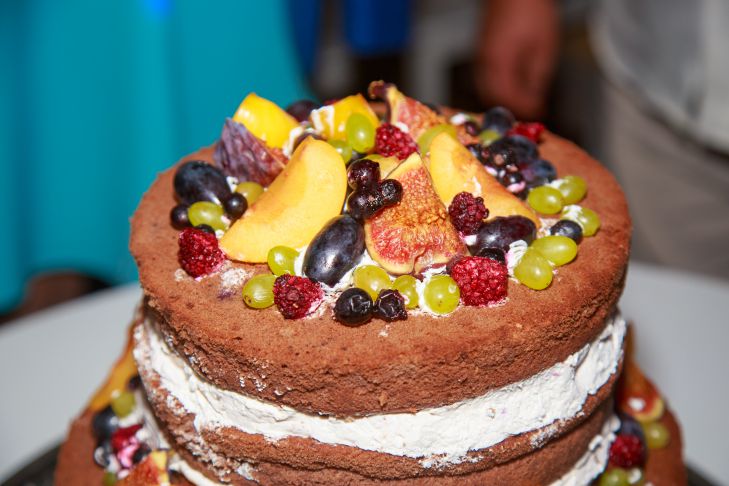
[516,54]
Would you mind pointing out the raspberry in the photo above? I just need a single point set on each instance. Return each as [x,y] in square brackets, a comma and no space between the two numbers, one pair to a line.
[199,253]
[531,130]
[467,212]
[390,140]
[482,280]
[627,451]
[296,297]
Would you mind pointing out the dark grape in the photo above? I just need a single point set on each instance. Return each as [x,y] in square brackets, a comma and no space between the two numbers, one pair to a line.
[391,192]
[363,205]
[524,148]
[104,423]
[301,109]
[567,228]
[501,157]
[304,136]
[198,181]
[353,308]
[500,232]
[509,178]
[630,426]
[477,150]
[103,453]
[235,205]
[206,228]
[498,119]
[334,250]
[493,253]
[363,174]
[472,128]
[134,383]
[390,306]
[537,172]
[142,451]
[178,217]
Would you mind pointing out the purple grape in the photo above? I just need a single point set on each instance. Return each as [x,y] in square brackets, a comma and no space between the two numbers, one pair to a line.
[198,181]
[502,231]
[493,253]
[178,217]
[567,228]
[538,172]
[363,174]
[363,204]
[235,205]
[334,250]
[472,128]
[390,306]
[391,192]
[301,109]
[498,119]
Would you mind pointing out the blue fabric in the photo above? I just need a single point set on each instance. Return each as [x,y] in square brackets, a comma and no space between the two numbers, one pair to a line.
[377,27]
[97,97]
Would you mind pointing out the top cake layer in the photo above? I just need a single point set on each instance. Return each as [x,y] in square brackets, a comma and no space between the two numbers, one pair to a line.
[320,366]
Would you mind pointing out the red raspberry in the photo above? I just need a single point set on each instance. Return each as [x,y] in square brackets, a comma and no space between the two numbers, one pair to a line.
[124,437]
[199,253]
[467,212]
[296,297]
[627,451]
[531,130]
[390,140]
[482,280]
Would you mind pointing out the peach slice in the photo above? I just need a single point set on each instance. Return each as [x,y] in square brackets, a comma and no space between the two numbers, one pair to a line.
[152,471]
[416,233]
[298,203]
[331,120]
[454,169]
[124,369]
[402,109]
[265,120]
[637,396]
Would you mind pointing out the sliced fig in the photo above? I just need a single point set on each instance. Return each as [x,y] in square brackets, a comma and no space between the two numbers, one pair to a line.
[417,116]
[637,396]
[152,471]
[244,156]
[415,234]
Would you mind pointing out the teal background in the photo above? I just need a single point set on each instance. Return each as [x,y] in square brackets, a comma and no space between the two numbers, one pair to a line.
[96,97]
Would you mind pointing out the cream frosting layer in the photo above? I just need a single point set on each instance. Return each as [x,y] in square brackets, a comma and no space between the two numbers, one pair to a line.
[437,435]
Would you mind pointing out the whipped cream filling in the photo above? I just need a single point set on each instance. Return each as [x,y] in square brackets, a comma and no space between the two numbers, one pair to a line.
[447,432]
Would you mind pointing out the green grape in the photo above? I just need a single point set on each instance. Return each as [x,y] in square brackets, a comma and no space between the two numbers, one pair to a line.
[206,212]
[406,285]
[343,148]
[360,133]
[281,260]
[573,189]
[557,249]
[545,199]
[442,294]
[488,136]
[123,403]
[250,190]
[534,270]
[656,434]
[427,137]
[371,279]
[109,479]
[614,476]
[258,291]
[586,218]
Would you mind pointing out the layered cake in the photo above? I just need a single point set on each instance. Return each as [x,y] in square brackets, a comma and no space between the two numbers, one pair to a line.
[378,292]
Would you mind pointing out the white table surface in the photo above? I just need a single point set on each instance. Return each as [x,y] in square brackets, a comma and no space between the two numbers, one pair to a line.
[52,361]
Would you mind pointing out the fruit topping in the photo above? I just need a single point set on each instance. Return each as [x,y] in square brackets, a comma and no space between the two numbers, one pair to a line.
[472,128]
[152,471]
[417,116]
[235,205]
[199,253]
[296,297]
[627,451]
[360,133]
[531,130]
[467,212]
[573,188]
[570,229]
[362,204]
[537,172]
[487,137]
[206,228]
[178,217]
[363,174]
[390,306]
[281,260]
[343,149]
[331,120]
[197,181]
[391,192]
[498,119]
[353,307]
[391,141]
[441,294]
[496,254]
[122,403]
[656,434]
[258,291]
[546,200]
[205,212]
[294,208]
[244,156]
[407,286]
[501,157]
[104,423]
[250,190]
[301,109]
[559,250]
[427,137]
[123,437]
[372,279]
[503,231]
[482,281]
[637,396]
[265,120]
[335,250]
[586,218]
[417,233]
[124,369]
[534,270]
[455,169]
[615,476]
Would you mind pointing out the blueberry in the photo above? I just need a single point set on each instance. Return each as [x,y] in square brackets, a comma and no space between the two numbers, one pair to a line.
[301,109]
[498,119]
[391,192]
[104,423]
[103,453]
[537,172]
[335,250]
[198,181]
[206,228]
[390,306]
[363,204]
[363,174]
[493,253]
[567,228]
[353,307]
[178,217]
[500,232]
[235,205]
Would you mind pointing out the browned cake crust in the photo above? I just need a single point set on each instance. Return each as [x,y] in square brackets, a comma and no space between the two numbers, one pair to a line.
[320,366]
